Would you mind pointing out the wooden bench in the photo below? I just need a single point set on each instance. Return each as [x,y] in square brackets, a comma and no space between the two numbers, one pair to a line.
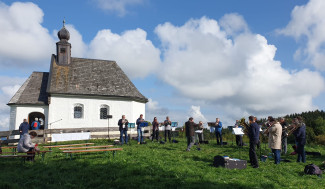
[17,156]
[92,150]
[68,145]
[10,147]
[38,152]
[85,147]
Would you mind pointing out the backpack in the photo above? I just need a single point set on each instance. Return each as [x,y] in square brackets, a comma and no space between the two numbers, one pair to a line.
[312,169]
[35,124]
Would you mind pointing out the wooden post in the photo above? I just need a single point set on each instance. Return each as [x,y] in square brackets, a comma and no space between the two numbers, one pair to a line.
[108,117]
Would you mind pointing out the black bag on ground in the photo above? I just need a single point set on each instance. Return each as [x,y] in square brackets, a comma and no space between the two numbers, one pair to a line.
[219,161]
[175,141]
[312,169]
[162,142]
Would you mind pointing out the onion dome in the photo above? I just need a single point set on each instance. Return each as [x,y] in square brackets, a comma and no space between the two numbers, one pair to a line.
[64,34]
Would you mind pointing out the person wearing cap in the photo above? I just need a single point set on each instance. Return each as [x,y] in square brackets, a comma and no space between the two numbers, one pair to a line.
[35,125]
[189,130]
[275,133]
[24,127]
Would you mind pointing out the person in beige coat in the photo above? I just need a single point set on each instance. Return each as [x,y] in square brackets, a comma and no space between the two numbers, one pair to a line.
[275,133]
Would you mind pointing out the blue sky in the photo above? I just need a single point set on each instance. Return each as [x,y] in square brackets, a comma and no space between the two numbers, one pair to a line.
[207,59]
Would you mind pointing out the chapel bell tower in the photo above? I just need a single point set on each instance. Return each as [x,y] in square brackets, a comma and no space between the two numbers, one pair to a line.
[63,47]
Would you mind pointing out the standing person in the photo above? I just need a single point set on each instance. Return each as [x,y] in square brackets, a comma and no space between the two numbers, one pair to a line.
[35,125]
[218,126]
[300,135]
[23,128]
[199,132]
[168,127]
[155,129]
[25,144]
[275,133]
[253,134]
[123,127]
[284,135]
[189,130]
[239,138]
[139,129]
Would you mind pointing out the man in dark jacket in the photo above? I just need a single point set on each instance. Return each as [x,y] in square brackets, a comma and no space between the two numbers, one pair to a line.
[123,127]
[300,134]
[24,127]
[189,130]
[253,134]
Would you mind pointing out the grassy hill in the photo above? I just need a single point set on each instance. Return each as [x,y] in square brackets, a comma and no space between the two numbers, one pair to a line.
[157,165]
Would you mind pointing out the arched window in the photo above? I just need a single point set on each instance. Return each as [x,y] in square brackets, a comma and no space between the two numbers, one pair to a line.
[78,110]
[104,111]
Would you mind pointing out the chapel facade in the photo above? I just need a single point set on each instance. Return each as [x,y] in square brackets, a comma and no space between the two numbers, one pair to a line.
[76,93]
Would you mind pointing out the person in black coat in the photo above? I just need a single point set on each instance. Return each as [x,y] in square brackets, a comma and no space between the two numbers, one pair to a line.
[300,135]
[189,131]
[123,127]
[253,134]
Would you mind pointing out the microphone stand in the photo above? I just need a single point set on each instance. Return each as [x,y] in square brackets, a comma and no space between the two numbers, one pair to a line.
[50,124]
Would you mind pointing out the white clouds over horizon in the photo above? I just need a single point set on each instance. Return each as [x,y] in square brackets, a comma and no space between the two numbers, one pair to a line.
[134,53]
[307,26]
[202,63]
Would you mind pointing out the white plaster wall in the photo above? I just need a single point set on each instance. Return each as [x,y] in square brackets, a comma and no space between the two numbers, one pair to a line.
[19,113]
[62,107]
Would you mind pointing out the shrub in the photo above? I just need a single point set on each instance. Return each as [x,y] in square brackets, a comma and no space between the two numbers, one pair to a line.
[320,139]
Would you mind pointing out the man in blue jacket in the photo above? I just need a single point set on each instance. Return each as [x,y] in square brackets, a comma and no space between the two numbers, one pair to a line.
[300,134]
[24,127]
[253,134]
[218,131]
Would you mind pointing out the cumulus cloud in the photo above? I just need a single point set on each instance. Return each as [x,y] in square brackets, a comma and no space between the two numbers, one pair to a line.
[195,112]
[8,87]
[203,63]
[136,55]
[118,6]
[307,26]
[153,109]
[24,41]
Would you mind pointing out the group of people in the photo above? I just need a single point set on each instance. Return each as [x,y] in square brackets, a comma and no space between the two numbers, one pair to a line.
[140,122]
[25,127]
[277,132]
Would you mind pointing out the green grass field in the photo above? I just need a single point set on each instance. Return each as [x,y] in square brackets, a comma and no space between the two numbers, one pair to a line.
[155,165]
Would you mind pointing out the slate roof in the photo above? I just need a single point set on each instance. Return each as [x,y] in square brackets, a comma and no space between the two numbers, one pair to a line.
[33,91]
[91,77]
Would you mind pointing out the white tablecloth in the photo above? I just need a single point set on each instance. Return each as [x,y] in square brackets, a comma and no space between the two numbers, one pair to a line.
[70,136]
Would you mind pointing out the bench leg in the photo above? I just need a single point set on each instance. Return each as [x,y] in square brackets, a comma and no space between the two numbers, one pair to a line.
[43,156]
[70,156]
[113,154]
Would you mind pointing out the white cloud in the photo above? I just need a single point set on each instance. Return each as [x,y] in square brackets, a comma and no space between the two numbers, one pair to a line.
[118,6]
[307,25]
[136,55]
[195,112]
[8,87]
[153,109]
[24,41]
[202,63]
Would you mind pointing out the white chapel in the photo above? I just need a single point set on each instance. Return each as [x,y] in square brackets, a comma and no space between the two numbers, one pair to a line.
[76,93]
